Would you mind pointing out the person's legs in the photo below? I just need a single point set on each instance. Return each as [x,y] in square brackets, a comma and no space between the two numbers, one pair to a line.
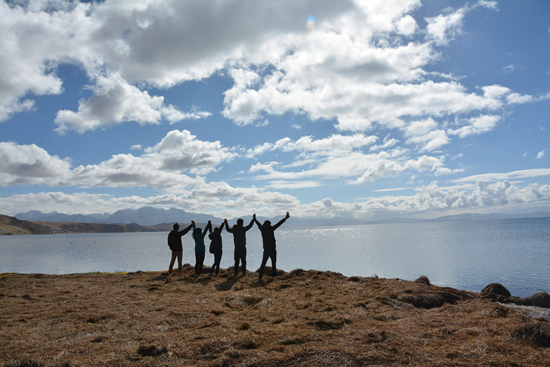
[264,261]
[179,255]
[243,260]
[237,260]
[174,255]
[216,266]
[274,263]
[200,262]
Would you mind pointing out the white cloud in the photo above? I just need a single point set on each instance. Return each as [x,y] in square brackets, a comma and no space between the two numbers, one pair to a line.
[215,198]
[475,125]
[29,164]
[406,25]
[522,174]
[161,166]
[433,199]
[443,28]
[114,102]
[508,69]
[541,154]
[220,199]
[356,166]
[493,5]
[180,150]
[354,67]
[426,135]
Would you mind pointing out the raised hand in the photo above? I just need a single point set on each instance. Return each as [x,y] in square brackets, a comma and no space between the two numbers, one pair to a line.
[287,215]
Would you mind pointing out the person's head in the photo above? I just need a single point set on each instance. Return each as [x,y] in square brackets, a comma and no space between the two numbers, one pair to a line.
[197,232]
[240,222]
[267,223]
[217,230]
[176,226]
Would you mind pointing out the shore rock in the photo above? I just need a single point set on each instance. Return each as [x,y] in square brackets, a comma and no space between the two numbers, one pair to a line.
[497,292]
[540,299]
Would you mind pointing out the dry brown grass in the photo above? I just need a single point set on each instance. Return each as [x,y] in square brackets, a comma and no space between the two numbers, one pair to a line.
[302,318]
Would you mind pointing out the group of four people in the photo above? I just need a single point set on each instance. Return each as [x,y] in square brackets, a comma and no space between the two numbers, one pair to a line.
[216,246]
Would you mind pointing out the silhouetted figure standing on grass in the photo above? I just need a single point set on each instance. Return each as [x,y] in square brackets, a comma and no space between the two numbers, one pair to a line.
[200,249]
[239,238]
[174,242]
[268,237]
[216,248]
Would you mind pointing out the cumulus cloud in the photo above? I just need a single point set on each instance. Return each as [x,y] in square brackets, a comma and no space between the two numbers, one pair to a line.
[443,28]
[433,199]
[426,135]
[355,66]
[521,174]
[475,125]
[30,164]
[541,154]
[115,101]
[215,198]
[222,200]
[343,161]
[168,165]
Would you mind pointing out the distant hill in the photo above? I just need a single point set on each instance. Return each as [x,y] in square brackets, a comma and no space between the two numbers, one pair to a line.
[146,216]
[60,217]
[14,226]
[492,216]
[154,219]
[149,216]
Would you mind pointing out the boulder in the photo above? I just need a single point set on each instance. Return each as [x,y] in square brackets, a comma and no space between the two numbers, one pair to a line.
[540,299]
[497,292]
[495,289]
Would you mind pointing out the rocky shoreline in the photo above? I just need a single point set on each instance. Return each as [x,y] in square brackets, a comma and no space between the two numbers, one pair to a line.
[301,318]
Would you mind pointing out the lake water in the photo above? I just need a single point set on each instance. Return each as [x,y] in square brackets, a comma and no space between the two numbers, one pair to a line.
[460,254]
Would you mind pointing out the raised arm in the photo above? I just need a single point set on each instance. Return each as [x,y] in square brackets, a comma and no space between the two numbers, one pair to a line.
[186,230]
[281,221]
[227,226]
[256,221]
[208,227]
[249,226]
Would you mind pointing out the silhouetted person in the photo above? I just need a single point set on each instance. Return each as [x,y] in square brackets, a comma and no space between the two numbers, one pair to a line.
[239,238]
[198,236]
[174,242]
[268,237]
[216,248]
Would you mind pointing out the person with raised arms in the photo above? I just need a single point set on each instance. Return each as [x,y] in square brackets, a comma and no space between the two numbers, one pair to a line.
[239,239]
[174,242]
[216,248]
[268,237]
[200,249]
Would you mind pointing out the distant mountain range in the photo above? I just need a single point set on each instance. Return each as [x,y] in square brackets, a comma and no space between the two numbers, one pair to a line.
[146,216]
[149,216]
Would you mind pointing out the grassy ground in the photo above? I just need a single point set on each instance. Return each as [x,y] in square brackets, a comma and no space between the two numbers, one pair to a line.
[302,318]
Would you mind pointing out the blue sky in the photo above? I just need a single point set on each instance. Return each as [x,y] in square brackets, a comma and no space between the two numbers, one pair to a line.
[378,109]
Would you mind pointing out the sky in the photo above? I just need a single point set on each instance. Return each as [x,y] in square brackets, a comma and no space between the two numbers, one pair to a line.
[353,109]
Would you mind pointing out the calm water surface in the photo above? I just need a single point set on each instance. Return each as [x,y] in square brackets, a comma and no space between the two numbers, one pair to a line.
[461,254]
